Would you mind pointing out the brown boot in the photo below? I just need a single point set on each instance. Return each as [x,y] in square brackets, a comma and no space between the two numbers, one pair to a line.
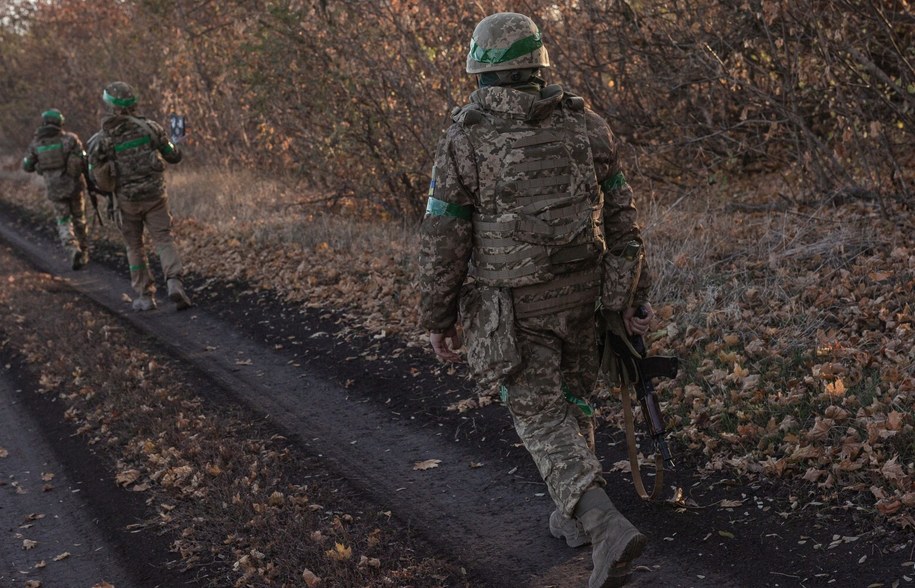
[615,542]
[177,295]
[563,527]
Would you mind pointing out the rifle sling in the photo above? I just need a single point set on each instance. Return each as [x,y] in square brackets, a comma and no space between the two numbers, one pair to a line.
[622,346]
[632,448]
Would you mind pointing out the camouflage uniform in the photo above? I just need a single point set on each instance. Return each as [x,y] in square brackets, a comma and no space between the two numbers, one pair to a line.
[528,218]
[58,156]
[132,150]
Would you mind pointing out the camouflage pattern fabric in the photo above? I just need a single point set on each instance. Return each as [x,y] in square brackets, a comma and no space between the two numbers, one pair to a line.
[49,154]
[72,228]
[139,149]
[559,355]
[58,156]
[548,354]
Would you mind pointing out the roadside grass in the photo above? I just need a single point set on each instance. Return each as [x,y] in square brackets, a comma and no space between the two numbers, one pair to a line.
[794,320]
[231,493]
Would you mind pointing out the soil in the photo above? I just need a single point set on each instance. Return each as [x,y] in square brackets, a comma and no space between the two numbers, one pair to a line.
[370,407]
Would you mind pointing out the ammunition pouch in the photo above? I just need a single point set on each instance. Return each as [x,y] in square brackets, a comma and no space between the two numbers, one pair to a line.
[488,320]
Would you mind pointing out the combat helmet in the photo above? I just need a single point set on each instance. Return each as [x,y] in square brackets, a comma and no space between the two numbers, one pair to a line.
[52,116]
[119,95]
[506,41]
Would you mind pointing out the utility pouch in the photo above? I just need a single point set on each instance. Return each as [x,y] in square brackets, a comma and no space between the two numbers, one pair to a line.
[105,176]
[488,320]
[620,276]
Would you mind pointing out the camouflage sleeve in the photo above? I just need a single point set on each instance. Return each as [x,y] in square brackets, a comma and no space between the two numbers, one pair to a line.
[446,231]
[167,149]
[620,215]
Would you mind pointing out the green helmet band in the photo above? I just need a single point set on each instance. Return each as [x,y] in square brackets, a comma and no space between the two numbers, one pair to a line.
[52,115]
[120,102]
[517,49]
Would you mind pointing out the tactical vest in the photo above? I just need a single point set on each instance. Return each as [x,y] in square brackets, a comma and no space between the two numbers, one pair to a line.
[138,166]
[52,153]
[538,225]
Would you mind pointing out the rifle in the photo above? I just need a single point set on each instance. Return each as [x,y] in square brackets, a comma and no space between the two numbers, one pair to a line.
[94,192]
[637,369]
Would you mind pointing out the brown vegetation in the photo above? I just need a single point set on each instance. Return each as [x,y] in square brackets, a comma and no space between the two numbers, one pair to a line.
[349,97]
[770,145]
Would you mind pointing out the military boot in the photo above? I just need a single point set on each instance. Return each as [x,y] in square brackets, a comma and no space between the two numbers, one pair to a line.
[76,259]
[177,295]
[615,542]
[144,302]
[563,527]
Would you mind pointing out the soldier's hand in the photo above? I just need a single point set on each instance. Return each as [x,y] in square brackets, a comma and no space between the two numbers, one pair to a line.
[636,325]
[445,344]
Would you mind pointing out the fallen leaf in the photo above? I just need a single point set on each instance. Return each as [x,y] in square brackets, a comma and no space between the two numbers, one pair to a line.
[340,552]
[127,477]
[62,556]
[310,579]
[28,544]
[427,464]
[3,452]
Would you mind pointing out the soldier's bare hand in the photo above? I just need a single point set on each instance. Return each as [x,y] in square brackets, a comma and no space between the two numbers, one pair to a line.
[636,325]
[445,344]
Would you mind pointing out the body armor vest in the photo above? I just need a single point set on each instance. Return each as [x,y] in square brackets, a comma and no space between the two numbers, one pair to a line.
[139,167]
[52,153]
[538,225]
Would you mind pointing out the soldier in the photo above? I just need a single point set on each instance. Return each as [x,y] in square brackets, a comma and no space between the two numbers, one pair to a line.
[529,223]
[58,156]
[127,157]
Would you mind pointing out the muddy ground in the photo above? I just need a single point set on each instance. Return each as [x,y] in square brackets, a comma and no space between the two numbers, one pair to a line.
[367,408]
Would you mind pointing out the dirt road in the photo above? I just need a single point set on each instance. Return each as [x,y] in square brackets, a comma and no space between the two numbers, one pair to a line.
[484,506]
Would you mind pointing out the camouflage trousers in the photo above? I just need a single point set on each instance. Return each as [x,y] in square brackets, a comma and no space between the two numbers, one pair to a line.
[72,228]
[559,356]
[153,215]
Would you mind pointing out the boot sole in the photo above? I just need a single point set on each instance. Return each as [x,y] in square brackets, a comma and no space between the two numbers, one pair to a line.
[619,573]
[181,302]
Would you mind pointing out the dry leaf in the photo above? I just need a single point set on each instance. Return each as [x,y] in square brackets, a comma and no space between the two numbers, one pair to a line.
[310,579]
[340,552]
[28,544]
[103,584]
[127,477]
[62,556]
[426,464]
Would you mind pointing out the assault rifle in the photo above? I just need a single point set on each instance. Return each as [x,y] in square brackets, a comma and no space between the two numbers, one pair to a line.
[94,192]
[640,371]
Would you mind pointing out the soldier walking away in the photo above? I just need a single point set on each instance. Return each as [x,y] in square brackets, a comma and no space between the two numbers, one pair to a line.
[57,155]
[529,224]
[127,157]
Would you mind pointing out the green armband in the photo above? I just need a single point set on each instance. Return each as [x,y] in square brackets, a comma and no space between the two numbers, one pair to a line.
[436,207]
[614,183]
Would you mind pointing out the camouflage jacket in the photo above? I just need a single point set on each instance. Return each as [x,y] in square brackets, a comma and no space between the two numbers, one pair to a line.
[447,233]
[139,148]
[58,156]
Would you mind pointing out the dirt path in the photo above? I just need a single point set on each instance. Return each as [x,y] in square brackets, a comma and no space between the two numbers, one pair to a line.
[48,531]
[372,426]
